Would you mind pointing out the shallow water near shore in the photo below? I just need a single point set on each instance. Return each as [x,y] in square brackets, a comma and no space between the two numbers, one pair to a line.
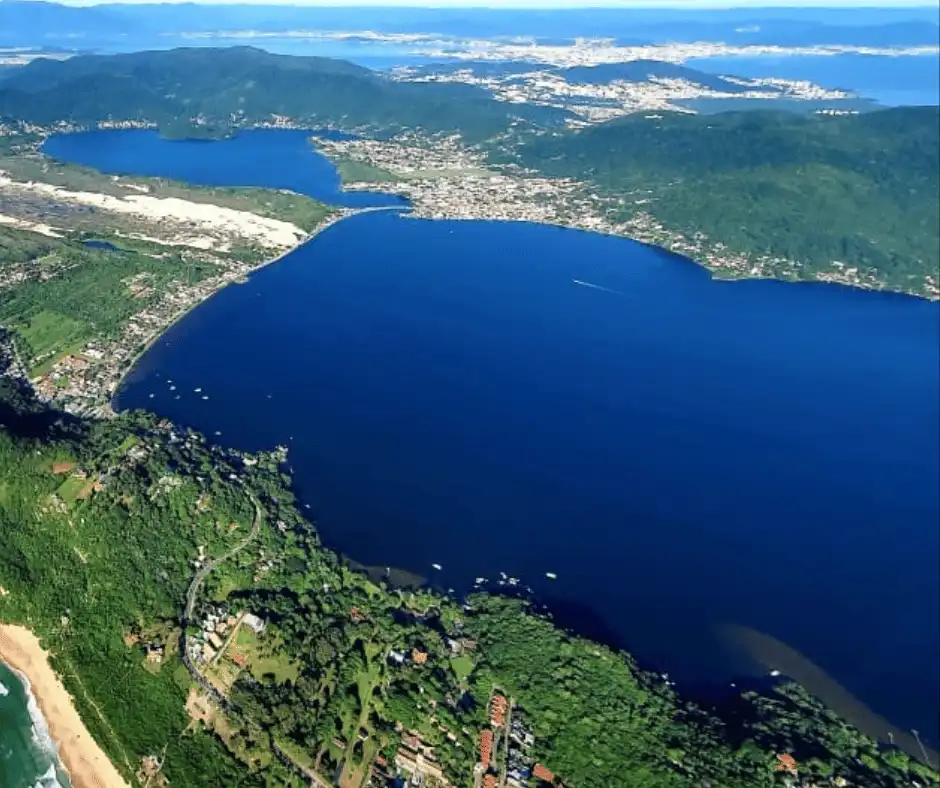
[681,452]
[27,754]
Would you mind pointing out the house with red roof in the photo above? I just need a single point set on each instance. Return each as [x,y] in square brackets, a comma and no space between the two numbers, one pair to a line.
[539,772]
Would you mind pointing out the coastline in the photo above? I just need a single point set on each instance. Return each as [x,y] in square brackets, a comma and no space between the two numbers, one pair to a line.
[341,215]
[81,757]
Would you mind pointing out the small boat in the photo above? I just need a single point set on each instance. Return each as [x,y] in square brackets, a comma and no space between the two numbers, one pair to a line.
[479,581]
[551,575]
[436,566]
[775,673]
[217,432]
[197,390]
[3,690]
[172,388]
[177,396]
[151,396]
[205,396]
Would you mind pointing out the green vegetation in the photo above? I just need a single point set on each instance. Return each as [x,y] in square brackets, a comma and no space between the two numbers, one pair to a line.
[286,206]
[861,190]
[100,573]
[351,171]
[89,297]
[229,87]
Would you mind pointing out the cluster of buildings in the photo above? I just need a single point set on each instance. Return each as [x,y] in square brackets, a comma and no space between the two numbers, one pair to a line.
[444,180]
[215,628]
[595,51]
[505,757]
[417,762]
[597,102]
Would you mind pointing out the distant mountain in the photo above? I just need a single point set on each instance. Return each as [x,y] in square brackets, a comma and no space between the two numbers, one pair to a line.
[241,84]
[109,26]
[860,189]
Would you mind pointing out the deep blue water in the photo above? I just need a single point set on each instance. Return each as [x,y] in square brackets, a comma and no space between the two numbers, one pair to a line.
[682,452]
[891,81]
[273,158]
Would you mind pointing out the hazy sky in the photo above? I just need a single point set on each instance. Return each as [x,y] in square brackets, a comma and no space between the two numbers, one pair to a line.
[554,3]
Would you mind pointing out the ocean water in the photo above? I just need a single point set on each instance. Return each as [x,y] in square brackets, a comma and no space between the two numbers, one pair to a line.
[684,453]
[890,81]
[27,753]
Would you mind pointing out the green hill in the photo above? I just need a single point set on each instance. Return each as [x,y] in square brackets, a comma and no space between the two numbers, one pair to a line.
[858,189]
[240,85]
[101,528]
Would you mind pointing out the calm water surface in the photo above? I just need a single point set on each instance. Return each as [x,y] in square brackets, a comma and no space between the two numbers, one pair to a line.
[271,158]
[891,81]
[682,452]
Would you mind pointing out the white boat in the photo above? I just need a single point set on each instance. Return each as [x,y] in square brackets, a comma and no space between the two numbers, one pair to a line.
[3,690]
[775,673]
[172,388]
[197,390]
[205,396]
[436,566]
[551,575]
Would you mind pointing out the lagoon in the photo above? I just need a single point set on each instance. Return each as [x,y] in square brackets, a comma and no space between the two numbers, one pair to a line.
[684,453]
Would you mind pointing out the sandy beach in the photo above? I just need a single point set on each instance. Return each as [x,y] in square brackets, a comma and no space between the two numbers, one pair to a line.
[85,761]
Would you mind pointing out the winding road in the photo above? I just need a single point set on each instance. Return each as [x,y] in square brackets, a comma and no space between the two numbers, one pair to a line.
[192,594]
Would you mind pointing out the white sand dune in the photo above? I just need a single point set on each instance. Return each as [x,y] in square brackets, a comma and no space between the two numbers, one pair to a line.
[215,221]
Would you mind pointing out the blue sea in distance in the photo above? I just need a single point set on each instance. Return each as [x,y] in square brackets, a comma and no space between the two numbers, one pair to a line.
[682,452]
[912,80]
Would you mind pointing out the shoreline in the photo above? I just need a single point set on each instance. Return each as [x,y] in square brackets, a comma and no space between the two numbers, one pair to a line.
[341,215]
[79,754]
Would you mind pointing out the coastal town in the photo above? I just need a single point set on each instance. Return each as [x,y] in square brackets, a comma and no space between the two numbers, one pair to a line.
[595,100]
[444,179]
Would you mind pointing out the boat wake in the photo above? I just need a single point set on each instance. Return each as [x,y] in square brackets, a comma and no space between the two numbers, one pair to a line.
[595,287]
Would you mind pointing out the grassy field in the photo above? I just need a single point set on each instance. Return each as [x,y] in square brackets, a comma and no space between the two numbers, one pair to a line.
[351,171]
[51,335]
[73,488]
[462,667]
[263,658]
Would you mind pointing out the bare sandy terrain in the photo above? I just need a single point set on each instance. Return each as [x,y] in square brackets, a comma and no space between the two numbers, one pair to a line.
[197,224]
[36,227]
[87,764]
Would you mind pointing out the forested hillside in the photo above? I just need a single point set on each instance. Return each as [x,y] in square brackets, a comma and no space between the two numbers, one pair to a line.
[239,85]
[102,526]
[861,190]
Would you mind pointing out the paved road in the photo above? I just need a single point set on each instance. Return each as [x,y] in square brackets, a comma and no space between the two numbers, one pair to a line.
[192,594]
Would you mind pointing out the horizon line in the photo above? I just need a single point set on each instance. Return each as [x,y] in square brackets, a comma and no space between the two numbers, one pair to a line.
[518,5]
